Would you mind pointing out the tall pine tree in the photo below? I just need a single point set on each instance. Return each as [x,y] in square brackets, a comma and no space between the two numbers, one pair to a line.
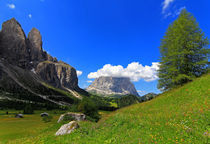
[184,52]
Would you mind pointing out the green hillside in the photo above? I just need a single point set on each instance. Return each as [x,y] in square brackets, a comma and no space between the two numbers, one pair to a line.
[177,116]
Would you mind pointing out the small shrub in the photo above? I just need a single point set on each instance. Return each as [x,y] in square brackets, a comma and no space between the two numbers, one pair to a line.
[73,108]
[87,107]
[47,119]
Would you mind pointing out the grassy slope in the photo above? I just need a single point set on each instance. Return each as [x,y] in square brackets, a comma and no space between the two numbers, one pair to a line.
[178,116]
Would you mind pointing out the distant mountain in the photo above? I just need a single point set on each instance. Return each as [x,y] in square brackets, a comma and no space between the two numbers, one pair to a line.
[29,74]
[112,86]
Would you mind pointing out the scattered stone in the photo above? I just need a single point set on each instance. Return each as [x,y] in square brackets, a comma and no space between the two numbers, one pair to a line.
[19,116]
[44,114]
[67,128]
[76,116]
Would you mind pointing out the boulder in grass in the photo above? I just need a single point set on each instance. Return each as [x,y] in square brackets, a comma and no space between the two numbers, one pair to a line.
[44,114]
[74,116]
[67,128]
[19,116]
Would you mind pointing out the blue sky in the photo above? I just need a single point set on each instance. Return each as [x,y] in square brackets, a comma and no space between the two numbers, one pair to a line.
[105,37]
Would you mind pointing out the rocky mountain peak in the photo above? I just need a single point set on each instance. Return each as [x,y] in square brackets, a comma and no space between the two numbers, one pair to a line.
[35,39]
[12,27]
[13,43]
[27,53]
[112,86]
[35,46]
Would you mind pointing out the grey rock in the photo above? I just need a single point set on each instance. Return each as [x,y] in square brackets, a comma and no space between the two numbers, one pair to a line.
[76,116]
[19,116]
[112,86]
[67,128]
[44,114]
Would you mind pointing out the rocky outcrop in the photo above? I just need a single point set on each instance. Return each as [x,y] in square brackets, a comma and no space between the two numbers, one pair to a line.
[26,69]
[19,50]
[13,44]
[75,116]
[67,128]
[35,46]
[28,53]
[58,74]
[112,86]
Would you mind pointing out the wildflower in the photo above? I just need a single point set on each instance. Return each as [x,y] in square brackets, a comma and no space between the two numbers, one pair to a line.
[182,139]
[206,133]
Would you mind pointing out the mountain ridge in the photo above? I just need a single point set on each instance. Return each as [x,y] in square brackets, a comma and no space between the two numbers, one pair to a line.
[25,68]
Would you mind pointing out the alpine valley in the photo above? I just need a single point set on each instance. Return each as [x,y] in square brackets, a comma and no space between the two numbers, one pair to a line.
[29,75]
[41,101]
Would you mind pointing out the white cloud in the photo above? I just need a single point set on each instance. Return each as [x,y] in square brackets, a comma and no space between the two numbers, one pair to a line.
[134,71]
[177,12]
[89,81]
[173,11]
[11,6]
[79,73]
[30,15]
[168,14]
[166,4]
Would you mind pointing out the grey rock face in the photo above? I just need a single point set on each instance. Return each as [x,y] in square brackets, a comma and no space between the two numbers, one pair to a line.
[112,86]
[28,54]
[76,116]
[13,44]
[58,74]
[67,128]
[25,65]
[35,45]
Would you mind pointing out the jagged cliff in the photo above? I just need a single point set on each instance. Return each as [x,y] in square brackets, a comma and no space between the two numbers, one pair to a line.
[26,67]
[112,86]
[58,74]
[13,44]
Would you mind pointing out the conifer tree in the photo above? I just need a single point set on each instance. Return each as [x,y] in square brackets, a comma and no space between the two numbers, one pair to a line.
[184,52]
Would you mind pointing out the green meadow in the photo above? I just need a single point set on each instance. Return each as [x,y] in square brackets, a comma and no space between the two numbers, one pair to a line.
[178,116]
[12,128]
